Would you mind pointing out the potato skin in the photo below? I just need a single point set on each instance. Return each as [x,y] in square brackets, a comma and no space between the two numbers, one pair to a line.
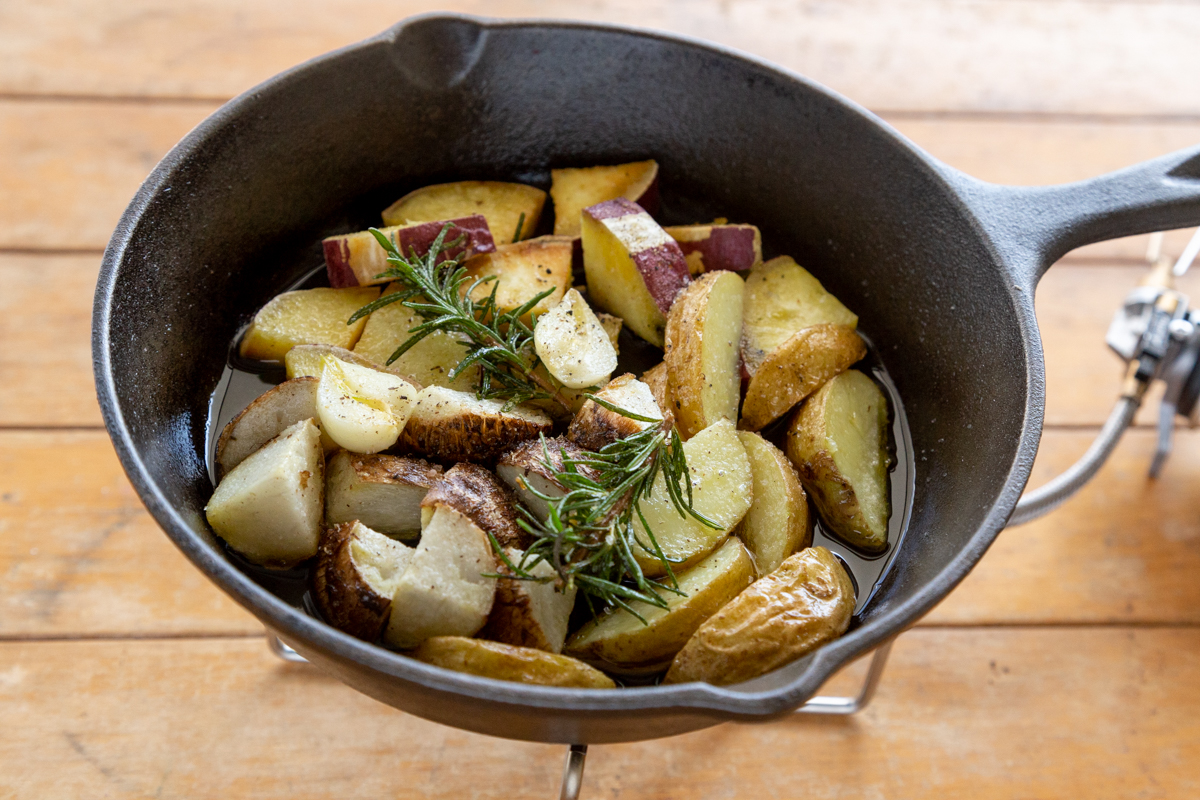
[799,607]
[481,497]
[453,426]
[346,601]
[507,662]
[796,369]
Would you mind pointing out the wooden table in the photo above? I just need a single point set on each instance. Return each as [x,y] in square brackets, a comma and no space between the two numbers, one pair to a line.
[1066,665]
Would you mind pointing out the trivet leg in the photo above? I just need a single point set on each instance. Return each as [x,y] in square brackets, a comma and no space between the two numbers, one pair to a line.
[852,705]
[283,651]
[573,772]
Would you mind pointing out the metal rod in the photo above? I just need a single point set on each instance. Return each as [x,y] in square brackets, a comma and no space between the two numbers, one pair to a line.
[1189,255]
[572,779]
[852,705]
[284,651]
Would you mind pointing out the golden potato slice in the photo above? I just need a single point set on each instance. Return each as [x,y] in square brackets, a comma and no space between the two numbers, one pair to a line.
[595,426]
[796,369]
[307,316]
[522,271]
[383,492]
[704,331]
[429,362]
[620,642]
[838,442]
[530,613]
[269,415]
[504,662]
[502,204]
[782,298]
[480,496]
[573,345]
[722,490]
[355,576]
[573,190]
[269,506]
[777,523]
[807,602]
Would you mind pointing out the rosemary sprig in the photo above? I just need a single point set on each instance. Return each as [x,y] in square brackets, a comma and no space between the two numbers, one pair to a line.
[438,287]
[590,537]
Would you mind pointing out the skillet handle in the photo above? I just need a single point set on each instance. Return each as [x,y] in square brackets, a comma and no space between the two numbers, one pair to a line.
[1034,226]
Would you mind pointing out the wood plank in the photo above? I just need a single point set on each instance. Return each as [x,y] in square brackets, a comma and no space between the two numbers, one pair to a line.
[83,161]
[993,55]
[964,713]
[84,558]
[79,555]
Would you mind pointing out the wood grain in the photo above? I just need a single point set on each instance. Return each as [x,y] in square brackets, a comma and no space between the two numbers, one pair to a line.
[81,162]
[981,714]
[993,55]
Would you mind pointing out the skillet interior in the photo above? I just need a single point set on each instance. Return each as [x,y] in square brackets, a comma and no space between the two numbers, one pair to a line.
[237,211]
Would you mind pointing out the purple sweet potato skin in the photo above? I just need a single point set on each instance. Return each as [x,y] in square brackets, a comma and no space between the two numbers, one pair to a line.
[337,263]
[665,273]
[727,247]
[477,239]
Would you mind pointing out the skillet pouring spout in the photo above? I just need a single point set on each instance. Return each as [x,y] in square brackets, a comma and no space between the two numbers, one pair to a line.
[939,268]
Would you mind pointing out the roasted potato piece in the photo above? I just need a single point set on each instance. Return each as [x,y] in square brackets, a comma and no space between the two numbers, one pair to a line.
[722,490]
[718,246]
[781,299]
[704,331]
[307,316]
[660,386]
[796,369]
[355,576]
[805,603]
[595,426]
[573,190]
[530,613]
[480,496]
[522,271]
[634,269]
[504,662]
[307,361]
[269,415]
[573,345]
[355,259]
[524,467]
[838,442]
[383,492]
[777,523]
[619,642]
[446,590]
[360,408]
[429,362]
[457,426]
[502,204]
[269,506]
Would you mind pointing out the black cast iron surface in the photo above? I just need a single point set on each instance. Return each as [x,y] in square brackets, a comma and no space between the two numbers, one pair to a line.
[940,268]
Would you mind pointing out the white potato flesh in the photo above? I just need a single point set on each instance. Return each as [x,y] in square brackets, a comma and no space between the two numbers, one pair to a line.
[445,591]
[530,613]
[269,415]
[379,560]
[363,409]
[573,345]
[268,508]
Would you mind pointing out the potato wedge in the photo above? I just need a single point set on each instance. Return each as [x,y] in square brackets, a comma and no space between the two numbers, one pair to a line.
[722,490]
[504,662]
[269,415]
[619,642]
[383,492]
[457,426]
[522,271]
[356,259]
[429,362]
[838,442]
[355,576]
[307,361]
[573,345]
[595,426]
[796,369]
[704,332]
[502,204]
[573,190]
[362,409]
[446,590]
[805,603]
[660,386]
[528,613]
[777,523]
[268,508]
[718,246]
[634,269]
[307,316]
[525,467]
[781,299]
[483,498]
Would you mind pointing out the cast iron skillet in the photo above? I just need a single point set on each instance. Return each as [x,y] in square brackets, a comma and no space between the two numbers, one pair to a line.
[941,269]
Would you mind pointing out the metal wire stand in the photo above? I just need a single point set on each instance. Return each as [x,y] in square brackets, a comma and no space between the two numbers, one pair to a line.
[572,779]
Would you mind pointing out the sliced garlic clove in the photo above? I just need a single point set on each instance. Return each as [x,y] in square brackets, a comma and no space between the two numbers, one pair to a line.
[362,409]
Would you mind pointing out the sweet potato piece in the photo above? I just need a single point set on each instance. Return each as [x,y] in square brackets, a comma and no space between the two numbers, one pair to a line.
[573,190]
[502,204]
[714,247]
[523,270]
[307,316]
[504,662]
[356,259]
